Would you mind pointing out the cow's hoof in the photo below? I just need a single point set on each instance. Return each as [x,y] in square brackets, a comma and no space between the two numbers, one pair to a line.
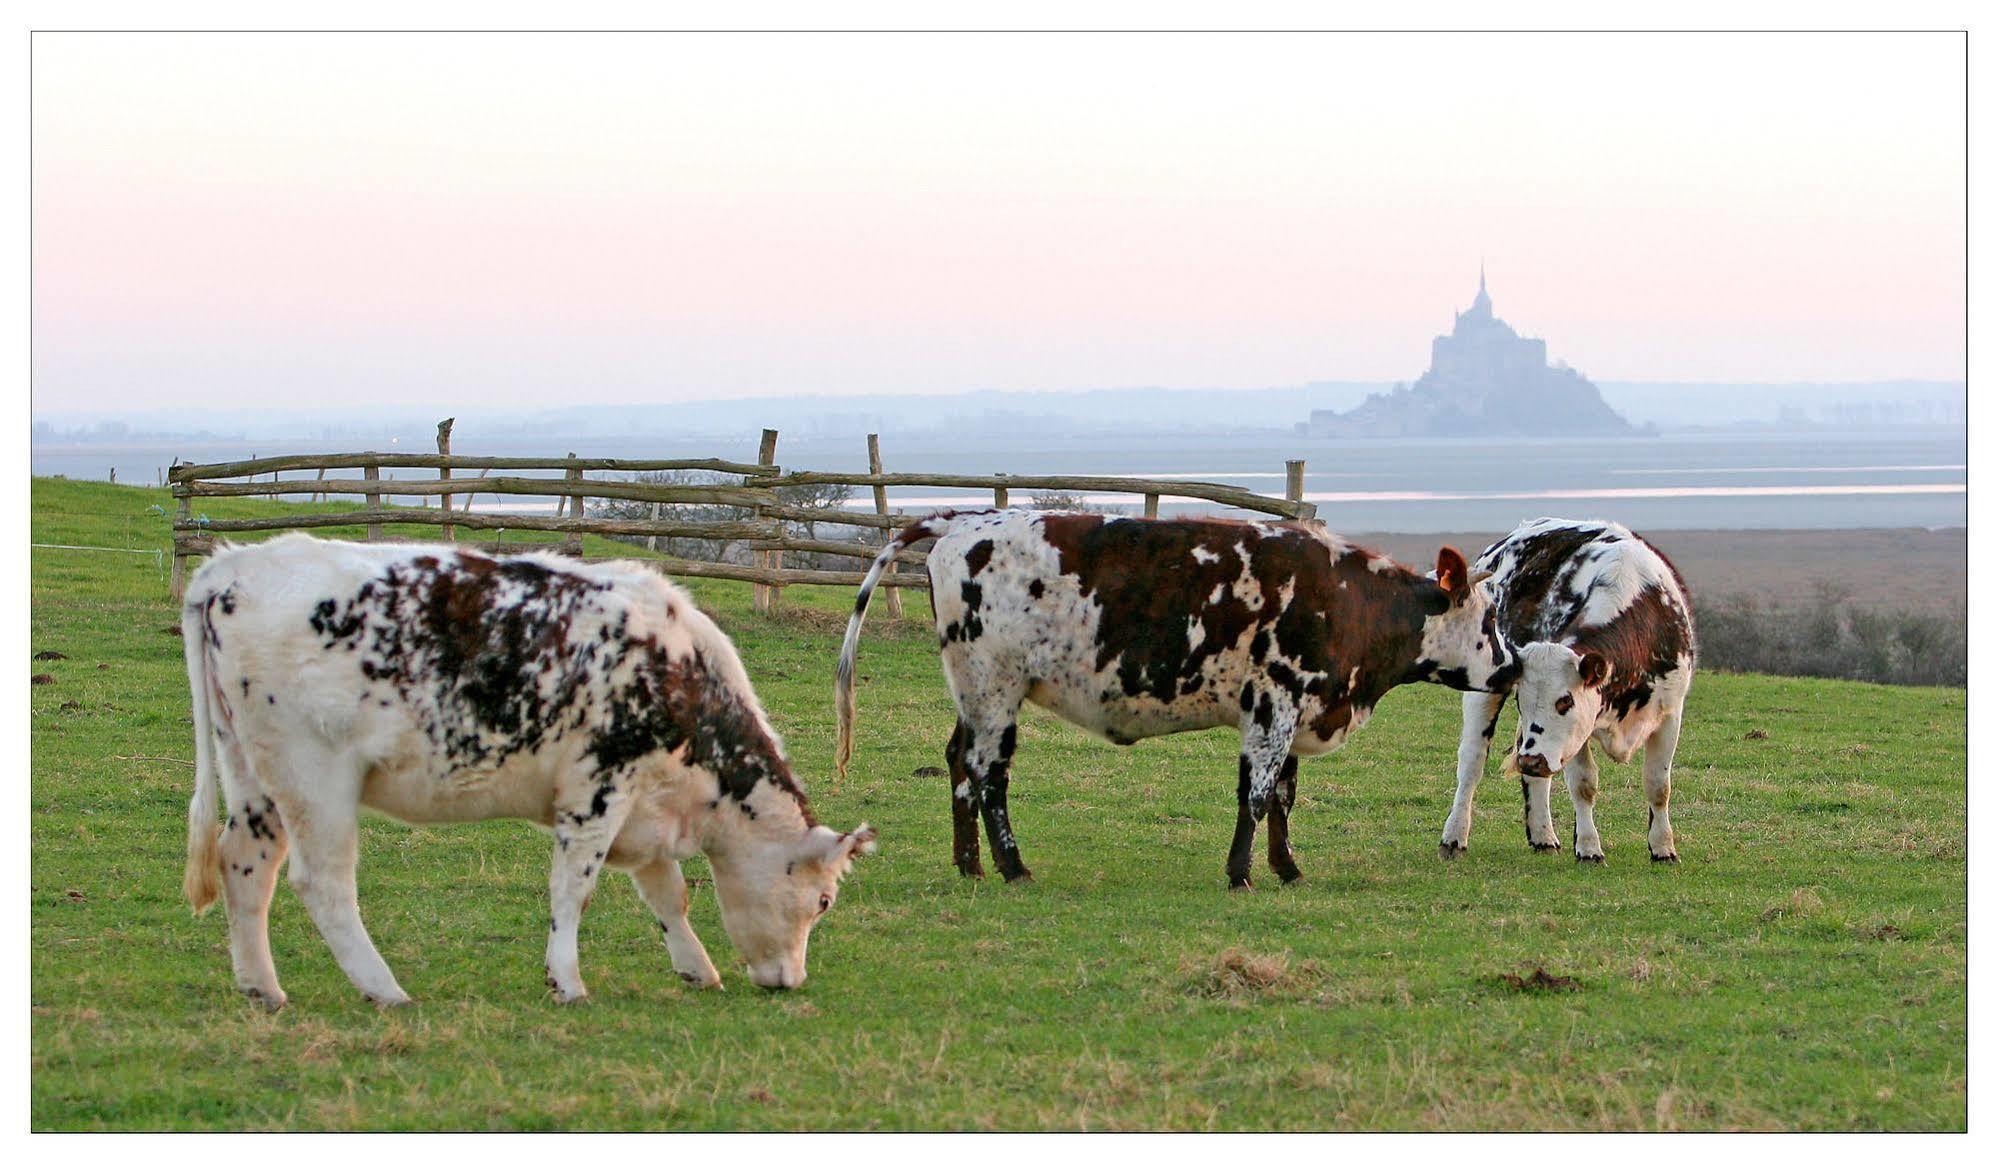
[971,872]
[1241,884]
[1021,877]
[385,1002]
[566,999]
[1589,859]
[268,1000]
[1668,856]
[1545,847]
[710,982]
[1291,879]
[1450,850]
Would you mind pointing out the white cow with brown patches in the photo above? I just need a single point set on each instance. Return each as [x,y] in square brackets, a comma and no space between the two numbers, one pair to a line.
[1131,628]
[1604,630]
[435,684]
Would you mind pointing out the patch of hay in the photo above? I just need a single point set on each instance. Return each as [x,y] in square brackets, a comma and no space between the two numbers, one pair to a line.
[1235,973]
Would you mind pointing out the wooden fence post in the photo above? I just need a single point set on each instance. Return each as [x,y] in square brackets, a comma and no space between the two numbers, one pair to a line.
[999,497]
[763,600]
[1294,481]
[374,500]
[573,545]
[444,472]
[1152,505]
[881,507]
[182,512]
[652,540]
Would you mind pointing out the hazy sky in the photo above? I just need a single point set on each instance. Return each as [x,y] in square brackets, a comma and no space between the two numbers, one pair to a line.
[238,220]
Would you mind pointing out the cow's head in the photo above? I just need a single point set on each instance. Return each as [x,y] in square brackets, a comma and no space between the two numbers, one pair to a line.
[1462,647]
[773,894]
[1560,694]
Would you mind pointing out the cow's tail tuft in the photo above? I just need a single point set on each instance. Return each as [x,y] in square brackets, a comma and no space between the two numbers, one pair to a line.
[843,682]
[203,881]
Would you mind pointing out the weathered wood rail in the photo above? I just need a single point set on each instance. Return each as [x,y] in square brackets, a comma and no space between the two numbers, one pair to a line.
[765,526]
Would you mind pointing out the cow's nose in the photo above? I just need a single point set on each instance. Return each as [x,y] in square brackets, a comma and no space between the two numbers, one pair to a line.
[1532,764]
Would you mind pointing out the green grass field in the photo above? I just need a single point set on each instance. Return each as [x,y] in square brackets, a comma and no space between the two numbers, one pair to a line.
[1804,967]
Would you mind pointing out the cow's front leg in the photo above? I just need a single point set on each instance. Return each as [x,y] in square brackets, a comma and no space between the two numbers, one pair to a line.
[664,891]
[1480,717]
[964,806]
[1659,749]
[1283,862]
[1580,773]
[584,827]
[1267,729]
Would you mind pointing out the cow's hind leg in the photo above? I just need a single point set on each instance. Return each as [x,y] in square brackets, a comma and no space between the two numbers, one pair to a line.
[964,806]
[1268,726]
[989,757]
[664,890]
[1283,862]
[1659,749]
[1583,785]
[586,821]
[1480,716]
[254,844]
[320,798]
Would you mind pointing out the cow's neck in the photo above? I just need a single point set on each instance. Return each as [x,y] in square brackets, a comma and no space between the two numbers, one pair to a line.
[767,813]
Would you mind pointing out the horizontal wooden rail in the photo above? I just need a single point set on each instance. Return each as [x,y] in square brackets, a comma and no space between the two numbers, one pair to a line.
[630,527]
[192,472]
[1233,495]
[846,549]
[748,497]
[782,576]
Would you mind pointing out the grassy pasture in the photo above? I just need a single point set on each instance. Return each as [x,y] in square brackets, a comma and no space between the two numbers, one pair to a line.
[1804,967]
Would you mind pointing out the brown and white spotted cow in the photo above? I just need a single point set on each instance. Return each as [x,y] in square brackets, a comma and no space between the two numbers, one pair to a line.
[1130,628]
[1604,629]
[434,684]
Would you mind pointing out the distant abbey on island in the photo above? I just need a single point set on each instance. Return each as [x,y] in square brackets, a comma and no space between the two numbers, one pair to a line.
[1484,378]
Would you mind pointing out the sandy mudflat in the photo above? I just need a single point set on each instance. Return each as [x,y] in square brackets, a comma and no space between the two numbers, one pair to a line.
[1910,568]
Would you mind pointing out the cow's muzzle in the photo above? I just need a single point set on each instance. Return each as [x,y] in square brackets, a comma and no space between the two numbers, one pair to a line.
[1532,764]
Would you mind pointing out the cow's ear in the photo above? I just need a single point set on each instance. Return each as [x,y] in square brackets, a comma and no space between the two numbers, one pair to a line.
[1595,669]
[836,850]
[861,841]
[1452,573]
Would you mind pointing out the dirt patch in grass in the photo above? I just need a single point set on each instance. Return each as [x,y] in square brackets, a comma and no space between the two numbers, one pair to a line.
[1756,734]
[1539,982]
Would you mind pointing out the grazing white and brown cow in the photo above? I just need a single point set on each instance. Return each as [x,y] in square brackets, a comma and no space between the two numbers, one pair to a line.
[1604,629]
[434,684]
[1130,628]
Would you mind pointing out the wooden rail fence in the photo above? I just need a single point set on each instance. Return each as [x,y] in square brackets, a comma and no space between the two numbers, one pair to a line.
[766,528]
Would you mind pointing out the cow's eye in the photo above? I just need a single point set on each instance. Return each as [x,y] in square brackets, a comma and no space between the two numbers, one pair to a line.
[1564,702]
[825,903]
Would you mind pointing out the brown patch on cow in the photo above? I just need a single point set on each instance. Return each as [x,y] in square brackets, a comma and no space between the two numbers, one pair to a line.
[1341,615]
[978,556]
[1539,981]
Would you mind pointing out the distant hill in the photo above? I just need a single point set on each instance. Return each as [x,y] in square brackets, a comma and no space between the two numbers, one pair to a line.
[1484,378]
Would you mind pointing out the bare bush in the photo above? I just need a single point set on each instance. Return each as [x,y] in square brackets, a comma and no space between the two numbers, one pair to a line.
[1829,637]
[809,497]
[1067,500]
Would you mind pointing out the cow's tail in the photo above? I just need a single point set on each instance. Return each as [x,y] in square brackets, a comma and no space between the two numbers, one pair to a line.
[843,682]
[203,882]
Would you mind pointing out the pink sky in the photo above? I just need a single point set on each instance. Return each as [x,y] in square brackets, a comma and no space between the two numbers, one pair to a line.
[516,220]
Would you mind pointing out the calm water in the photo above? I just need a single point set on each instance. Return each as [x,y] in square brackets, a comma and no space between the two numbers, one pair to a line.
[1762,481]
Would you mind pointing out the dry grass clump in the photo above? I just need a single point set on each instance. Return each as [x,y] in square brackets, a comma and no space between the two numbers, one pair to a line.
[1235,973]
